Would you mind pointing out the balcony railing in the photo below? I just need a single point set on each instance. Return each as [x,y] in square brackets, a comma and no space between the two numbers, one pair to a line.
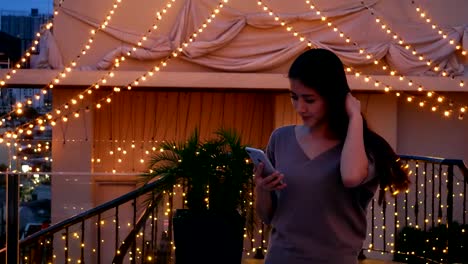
[435,202]
[136,227]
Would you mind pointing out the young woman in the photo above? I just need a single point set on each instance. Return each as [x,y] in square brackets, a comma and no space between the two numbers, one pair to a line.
[328,169]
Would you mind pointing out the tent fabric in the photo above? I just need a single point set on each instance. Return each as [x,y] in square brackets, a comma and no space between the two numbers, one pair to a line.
[49,56]
[253,41]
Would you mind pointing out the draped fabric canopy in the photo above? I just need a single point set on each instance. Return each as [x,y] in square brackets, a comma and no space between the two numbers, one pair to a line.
[241,41]
[246,40]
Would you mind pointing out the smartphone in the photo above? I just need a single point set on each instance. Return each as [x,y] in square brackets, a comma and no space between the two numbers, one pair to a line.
[257,156]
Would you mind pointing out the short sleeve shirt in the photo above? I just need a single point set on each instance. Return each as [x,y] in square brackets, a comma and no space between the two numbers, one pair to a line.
[316,218]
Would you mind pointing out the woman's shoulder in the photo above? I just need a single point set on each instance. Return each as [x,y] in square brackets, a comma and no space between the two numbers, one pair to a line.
[284,130]
[280,136]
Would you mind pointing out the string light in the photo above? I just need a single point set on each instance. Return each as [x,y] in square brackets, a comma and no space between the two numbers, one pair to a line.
[383,227]
[155,69]
[425,17]
[363,51]
[33,48]
[283,23]
[87,46]
[110,73]
[398,39]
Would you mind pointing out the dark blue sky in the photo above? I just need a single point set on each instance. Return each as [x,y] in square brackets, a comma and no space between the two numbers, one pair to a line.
[44,6]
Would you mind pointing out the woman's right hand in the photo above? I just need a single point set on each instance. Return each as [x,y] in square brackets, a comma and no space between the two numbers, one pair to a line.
[269,183]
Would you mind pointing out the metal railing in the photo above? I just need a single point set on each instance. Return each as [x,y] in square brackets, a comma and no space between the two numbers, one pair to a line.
[413,226]
[126,225]
[129,228]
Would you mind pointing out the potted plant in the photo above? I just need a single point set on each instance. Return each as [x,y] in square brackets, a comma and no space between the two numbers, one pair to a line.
[217,177]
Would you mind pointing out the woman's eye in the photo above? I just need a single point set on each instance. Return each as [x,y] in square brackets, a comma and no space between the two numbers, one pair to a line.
[309,101]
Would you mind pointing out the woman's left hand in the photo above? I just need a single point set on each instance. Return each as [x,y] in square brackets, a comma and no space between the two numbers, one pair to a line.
[353,106]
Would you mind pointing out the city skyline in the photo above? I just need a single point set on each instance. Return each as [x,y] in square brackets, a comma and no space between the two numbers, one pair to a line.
[44,6]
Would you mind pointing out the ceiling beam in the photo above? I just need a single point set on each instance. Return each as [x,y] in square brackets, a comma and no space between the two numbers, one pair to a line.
[223,80]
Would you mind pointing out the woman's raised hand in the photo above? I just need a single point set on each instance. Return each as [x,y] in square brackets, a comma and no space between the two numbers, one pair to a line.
[268,183]
[353,106]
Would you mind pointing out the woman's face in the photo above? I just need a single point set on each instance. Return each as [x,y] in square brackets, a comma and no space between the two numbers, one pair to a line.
[310,106]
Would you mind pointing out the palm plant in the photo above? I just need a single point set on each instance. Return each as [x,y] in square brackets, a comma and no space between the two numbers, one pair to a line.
[217,179]
[215,172]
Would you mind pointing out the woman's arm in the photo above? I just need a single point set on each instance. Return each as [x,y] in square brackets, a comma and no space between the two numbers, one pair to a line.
[264,186]
[354,161]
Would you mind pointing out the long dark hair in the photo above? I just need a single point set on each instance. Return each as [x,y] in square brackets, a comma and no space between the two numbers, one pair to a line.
[323,71]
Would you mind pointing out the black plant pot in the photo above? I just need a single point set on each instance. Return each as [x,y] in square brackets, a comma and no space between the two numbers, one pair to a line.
[208,237]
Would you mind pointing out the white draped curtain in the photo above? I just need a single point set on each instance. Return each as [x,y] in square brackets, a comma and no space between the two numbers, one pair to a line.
[252,41]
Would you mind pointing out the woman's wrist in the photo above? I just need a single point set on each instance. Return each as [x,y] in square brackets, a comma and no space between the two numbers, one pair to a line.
[354,118]
[260,190]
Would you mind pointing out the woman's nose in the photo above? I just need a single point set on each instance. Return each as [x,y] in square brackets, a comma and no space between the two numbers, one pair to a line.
[300,106]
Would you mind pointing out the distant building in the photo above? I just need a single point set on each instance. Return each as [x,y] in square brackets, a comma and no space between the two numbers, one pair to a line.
[10,50]
[10,96]
[18,30]
[23,25]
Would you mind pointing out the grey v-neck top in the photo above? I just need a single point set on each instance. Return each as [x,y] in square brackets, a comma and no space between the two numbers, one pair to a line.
[316,218]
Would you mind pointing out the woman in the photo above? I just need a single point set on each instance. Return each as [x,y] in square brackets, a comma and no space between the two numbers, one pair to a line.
[328,169]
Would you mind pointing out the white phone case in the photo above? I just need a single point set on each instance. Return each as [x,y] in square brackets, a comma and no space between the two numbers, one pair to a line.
[257,156]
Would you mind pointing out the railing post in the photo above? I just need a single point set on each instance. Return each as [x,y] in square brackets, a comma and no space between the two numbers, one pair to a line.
[449,195]
[12,247]
[449,208]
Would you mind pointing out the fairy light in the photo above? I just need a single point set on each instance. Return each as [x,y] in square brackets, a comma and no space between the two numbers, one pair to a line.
[179,50]
[266,9]
[110,73]
[162,64]
[67,69]
[362,51]
[382,227]
[301,38]
[435,27]
[398,39]
[47,26]
[33,48]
